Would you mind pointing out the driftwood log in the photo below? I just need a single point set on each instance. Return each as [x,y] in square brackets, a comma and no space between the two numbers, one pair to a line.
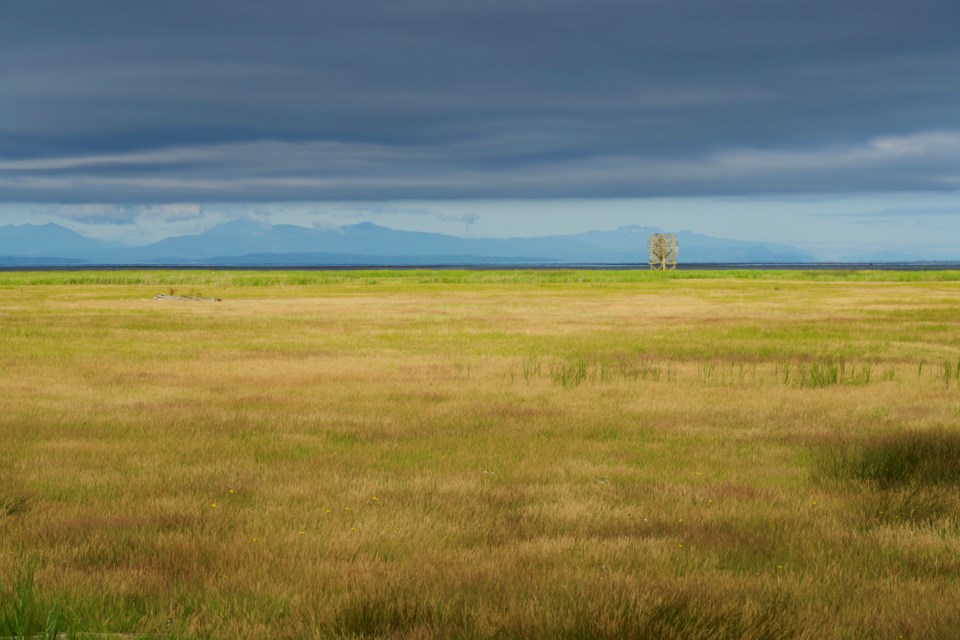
[163,296]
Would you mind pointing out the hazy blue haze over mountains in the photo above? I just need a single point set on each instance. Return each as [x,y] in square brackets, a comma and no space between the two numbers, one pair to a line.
[252,243]
[43,239]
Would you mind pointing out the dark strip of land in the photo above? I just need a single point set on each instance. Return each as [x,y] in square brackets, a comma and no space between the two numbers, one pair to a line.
[706,266]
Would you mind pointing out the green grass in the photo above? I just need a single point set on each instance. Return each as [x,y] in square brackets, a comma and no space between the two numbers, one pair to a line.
[374,278]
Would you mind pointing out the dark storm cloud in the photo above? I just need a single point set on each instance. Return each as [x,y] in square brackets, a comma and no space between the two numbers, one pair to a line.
[190,101]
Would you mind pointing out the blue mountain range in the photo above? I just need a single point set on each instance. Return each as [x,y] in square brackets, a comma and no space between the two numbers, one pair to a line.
[247,242]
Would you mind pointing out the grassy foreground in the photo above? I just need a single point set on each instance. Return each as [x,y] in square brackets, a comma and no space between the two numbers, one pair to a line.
[481,454]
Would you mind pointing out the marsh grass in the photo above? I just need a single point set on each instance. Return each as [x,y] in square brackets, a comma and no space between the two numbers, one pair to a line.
[913,505]
[674,614]
[907,478]
[929,458]
[421,454]
[419,277]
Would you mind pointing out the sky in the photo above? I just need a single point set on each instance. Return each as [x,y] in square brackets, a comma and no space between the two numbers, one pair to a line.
[833,126]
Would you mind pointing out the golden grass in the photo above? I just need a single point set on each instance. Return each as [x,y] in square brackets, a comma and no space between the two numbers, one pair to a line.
[402,458]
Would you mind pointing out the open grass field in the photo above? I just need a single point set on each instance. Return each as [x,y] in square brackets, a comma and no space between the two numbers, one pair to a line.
[481,454]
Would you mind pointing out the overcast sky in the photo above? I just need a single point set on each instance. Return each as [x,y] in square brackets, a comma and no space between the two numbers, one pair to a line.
[804,122]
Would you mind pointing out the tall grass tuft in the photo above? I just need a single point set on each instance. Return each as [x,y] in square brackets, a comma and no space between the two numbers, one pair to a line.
[22,617]
[571,373]
[951,372]
[17,620]
[531,369]
[817,375]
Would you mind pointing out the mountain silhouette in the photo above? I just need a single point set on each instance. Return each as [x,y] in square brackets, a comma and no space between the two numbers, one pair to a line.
[27,240]
[251,242]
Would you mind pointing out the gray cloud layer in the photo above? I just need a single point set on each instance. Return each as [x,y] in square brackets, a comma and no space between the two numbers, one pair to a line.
[118,101]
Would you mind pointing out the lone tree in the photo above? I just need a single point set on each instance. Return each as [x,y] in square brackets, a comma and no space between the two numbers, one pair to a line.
[662,248]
